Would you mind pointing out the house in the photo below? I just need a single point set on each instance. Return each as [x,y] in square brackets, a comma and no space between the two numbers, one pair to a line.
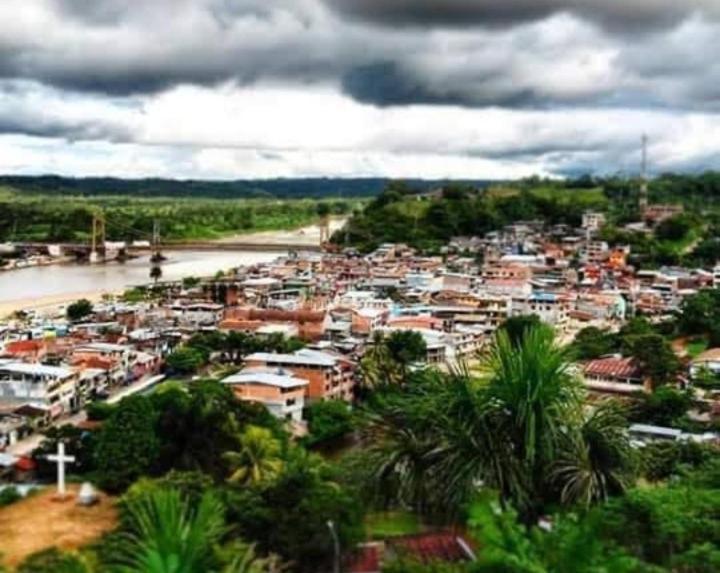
[708,360]
[366,320]
[33,350]
[52,388]
[280,391]
[329,377]
[614,374]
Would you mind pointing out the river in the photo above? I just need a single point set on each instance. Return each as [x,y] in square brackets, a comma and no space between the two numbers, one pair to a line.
[55,284]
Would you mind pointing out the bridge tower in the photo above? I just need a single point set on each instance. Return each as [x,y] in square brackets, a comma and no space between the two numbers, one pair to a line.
[156,256]
[97,249]
[324,225]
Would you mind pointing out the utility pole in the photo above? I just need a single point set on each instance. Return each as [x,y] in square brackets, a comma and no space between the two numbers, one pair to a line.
[336,545]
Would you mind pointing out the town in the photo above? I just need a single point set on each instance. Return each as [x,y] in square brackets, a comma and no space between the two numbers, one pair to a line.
[309,328]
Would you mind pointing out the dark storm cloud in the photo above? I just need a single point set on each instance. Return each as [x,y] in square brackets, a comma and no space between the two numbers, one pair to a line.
[386,84]
[613,14]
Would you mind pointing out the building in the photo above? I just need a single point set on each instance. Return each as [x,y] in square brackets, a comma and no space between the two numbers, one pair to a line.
[657,213]
[593,220]
[51,388]
[708,360]
[280,391]
[613,374]
[329,377]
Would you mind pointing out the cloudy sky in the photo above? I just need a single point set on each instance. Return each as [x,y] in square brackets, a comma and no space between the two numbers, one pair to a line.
[423,88]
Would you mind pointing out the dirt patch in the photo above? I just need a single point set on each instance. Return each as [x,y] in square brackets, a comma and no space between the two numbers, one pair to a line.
[39,522]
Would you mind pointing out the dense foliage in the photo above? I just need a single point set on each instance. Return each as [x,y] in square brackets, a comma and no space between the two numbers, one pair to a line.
[399,214]
[288,188]
[30,218]
[520,428]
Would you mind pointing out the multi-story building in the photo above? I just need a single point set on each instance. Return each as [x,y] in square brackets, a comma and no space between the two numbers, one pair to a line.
[51,388]
[329,377]
[280,391]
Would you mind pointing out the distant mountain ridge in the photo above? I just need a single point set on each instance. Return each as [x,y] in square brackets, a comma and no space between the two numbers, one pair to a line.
[283,188]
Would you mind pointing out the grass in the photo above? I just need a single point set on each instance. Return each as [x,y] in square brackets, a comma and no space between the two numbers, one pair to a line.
[696,346]
[392,524]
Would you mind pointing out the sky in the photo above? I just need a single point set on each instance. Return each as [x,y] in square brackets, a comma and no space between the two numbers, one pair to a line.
[488,89]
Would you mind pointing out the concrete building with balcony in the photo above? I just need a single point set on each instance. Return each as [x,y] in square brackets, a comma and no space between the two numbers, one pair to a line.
[329,377]
[280,391]
[51,388]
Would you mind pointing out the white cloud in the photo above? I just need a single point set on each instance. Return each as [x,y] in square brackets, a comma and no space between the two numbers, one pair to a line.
[267,131]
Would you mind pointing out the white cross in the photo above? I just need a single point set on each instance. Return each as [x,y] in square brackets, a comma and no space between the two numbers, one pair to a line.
[60,458]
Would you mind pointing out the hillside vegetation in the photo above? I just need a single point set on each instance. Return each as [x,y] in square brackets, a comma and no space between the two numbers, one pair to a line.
[52,218]
[428,220]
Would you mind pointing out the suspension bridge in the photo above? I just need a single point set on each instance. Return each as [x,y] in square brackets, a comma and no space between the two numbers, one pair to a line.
[98,249]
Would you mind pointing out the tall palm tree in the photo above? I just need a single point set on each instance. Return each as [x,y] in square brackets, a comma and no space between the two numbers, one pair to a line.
[446,435]
[258,459]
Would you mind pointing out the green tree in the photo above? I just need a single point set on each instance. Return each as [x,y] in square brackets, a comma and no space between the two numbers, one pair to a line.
[127,445]
[186,360]
[598,461]
[663,407]
[328,421]
[656,358]
[288,516]
[571,546]
[258,459]
[521,428]
[79,310]
[406,347]
[591,343]
[200,421]
[674,229]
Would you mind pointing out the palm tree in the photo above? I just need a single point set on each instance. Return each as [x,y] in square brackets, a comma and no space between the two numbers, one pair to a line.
[435,442]
[377,365]
[598,461]
[258,459]
[156,273]
[167,536]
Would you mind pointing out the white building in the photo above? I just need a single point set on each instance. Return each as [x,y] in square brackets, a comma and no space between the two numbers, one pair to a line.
[52,388]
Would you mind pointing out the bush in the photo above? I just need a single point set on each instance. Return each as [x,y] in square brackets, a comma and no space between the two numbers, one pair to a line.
[328,421]
[9,495]
[79,310]
[52,561]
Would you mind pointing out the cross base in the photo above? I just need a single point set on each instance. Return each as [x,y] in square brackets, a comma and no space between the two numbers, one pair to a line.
[62,497]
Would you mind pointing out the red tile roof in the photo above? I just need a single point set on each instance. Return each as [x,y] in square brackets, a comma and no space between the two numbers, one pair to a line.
[19,346]
[429,547]
[365,559]
[612,367]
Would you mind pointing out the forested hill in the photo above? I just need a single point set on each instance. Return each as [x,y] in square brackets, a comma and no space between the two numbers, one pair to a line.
[429,220]
[289,188]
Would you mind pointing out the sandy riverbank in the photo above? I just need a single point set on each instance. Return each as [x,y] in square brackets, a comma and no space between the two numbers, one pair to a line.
[47,304]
